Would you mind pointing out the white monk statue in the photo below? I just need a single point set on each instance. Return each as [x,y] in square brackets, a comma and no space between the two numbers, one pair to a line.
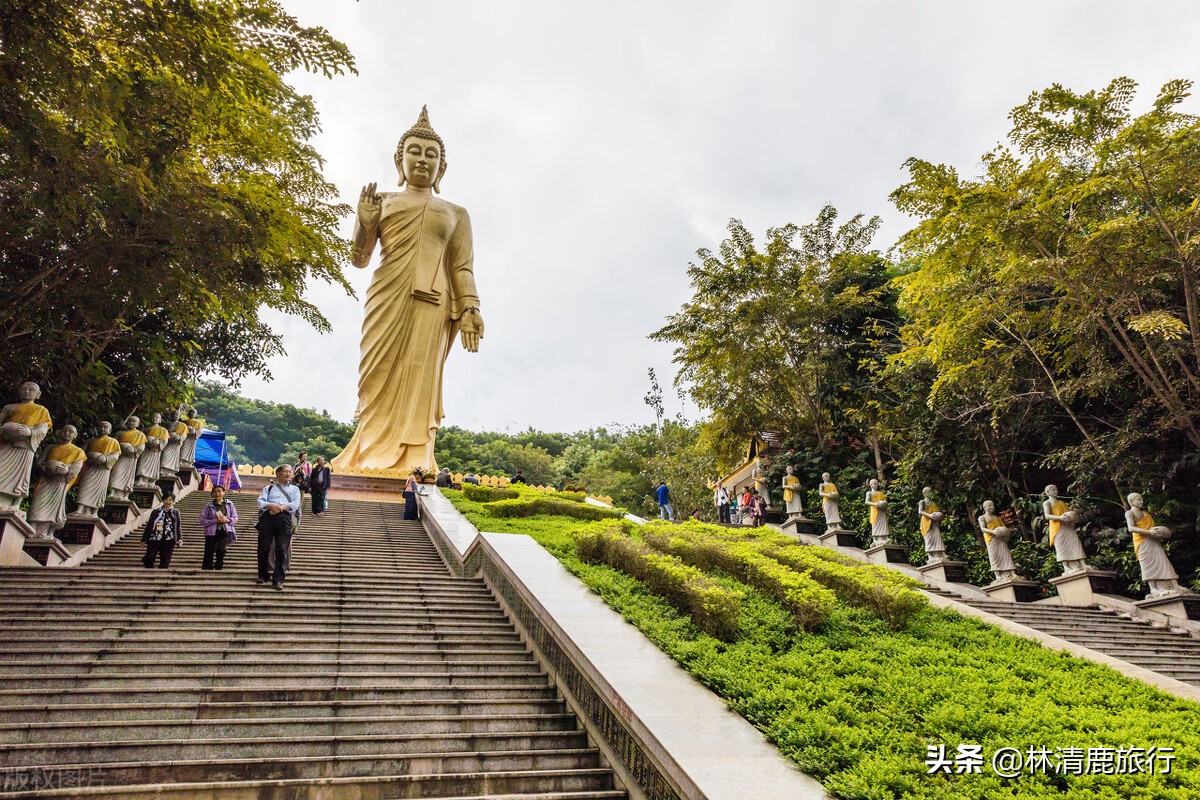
[48,506]
[931,527]
[996,536]
[877,500]
[421,295]
[102,455]
[187,453]
[149,464]
[176,435]
[791,494]
[133,444]
[1148,537]
[1061,521]
[829,503]
[23,425]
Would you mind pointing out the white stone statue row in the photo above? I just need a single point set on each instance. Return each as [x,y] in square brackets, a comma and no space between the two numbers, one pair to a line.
[1148,537]
[107,470]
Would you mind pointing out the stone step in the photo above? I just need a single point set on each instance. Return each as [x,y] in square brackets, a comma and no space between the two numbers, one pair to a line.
[130,681]
[397,665]
[303,708]
[135,653]
[532,785]
[185,614]
[270,746]
[443,639]
[80,731]
[280,692]
[336,766]
[443,634]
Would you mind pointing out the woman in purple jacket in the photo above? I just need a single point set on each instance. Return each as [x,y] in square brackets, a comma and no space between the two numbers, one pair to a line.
[218,519]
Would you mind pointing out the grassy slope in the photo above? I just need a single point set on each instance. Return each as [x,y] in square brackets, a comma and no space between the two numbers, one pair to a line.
[857,704]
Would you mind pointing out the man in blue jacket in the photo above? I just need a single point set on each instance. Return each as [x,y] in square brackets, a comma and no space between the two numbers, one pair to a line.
[278,516]
[664,502]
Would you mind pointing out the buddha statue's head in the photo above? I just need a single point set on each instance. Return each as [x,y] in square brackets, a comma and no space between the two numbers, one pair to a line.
[421,155]
[133,423]
[67,434]
[989,507]
[29,392]
[927,493]
[1135,501]
[790,471]
[874,484]
[105,428]
[825,477]
[1051,491]
[155,418]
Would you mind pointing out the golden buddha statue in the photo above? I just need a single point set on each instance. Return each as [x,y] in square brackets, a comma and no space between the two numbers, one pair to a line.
[421,295]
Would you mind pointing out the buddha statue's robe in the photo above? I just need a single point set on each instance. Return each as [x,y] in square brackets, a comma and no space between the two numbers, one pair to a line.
[16,459]
[995,536]
[829,505]
[791,496]
[1062,535]
[1150,553]
[187,453]
[931,529]
[879,517]
[97,472]
[417,296]
[50,496]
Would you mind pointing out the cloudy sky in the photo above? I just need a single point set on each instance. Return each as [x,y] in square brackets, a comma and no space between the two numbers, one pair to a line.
[598,146]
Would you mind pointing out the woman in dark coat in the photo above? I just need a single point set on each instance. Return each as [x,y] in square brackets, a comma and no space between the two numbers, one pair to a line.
[163,531]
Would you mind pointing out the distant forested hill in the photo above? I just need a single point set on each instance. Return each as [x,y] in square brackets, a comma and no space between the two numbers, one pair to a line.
[269,433]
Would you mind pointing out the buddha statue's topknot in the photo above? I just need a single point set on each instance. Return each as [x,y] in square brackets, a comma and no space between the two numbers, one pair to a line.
[423,129]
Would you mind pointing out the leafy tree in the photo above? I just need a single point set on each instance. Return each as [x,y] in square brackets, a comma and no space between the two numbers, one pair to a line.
[157,188]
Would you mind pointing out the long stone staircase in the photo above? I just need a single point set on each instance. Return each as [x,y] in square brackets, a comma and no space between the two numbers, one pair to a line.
[375,674]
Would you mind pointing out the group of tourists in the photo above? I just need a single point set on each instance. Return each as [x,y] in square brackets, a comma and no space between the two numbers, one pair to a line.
[740,508]
[280,509]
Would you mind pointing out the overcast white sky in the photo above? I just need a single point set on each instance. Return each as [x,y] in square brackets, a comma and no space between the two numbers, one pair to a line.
[598,146]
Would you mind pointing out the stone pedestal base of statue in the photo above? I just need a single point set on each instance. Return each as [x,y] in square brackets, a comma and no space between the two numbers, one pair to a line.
[1080,587]
[146,497]
[170,484]
[839,538]
[47,552]
[1014,590]
[799,525]
[187,475]
[80,532]
[946,571]
[116,513]
[889,553]
[1182,604]
[13,532]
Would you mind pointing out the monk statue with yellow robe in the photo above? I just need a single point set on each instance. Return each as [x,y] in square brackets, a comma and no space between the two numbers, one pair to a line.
[102,455]
[23,426]
[421,295]
[60,469]
[133,444]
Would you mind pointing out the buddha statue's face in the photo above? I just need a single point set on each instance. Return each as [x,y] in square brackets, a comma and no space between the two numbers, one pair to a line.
[29,392]
[1051,491]
[789,470]
[1135,500]
[67,434]
[927,492]
[989,507]
[825,477]
[105,428]
[132,423]
[421,162]
[874,484]
[155,419]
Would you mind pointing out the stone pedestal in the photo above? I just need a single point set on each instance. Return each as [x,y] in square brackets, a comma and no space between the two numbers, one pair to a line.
[146,498]
[1182,604]
[946,571]
[83,531]
[170,485]
[1078,588]
[13,530]
[890,553]
[187,475]
[839,538]
[119,512]
[800,525]
[1014,590]
[47,552]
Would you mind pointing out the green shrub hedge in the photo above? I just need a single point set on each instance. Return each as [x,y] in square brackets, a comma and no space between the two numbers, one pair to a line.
[808,602]
[487,494]
[532,506]
[714,608]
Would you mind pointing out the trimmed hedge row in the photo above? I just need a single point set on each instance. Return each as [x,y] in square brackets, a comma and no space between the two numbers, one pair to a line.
[532,506]
[886,593]
[487,494]
[809,603]
[714,608]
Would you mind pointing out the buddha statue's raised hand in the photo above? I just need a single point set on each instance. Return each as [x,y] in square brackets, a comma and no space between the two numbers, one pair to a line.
[369,204]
